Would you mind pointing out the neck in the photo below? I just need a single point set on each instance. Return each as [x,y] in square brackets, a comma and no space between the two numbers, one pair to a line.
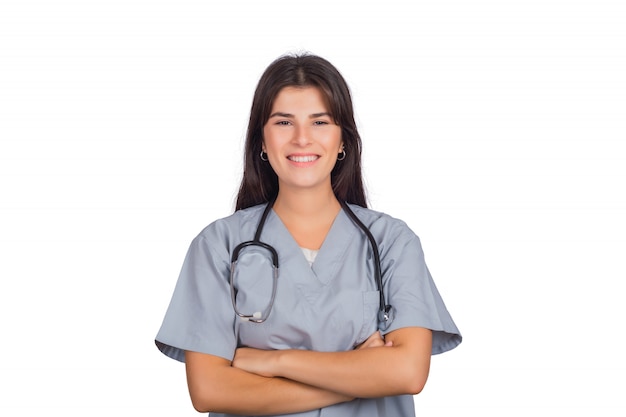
[306,203]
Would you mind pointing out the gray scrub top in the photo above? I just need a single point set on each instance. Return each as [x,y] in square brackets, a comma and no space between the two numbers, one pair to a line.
[329,306]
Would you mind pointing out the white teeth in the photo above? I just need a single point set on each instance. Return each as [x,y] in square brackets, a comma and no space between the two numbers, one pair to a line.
[307,158]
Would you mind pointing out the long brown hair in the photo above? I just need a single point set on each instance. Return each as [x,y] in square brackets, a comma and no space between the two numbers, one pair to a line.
[260,183]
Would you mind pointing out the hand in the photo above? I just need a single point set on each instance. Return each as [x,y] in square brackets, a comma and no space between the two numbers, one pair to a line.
[255,361]
[375,340]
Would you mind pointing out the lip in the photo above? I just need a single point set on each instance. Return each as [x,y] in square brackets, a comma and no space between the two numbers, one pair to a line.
[303,159]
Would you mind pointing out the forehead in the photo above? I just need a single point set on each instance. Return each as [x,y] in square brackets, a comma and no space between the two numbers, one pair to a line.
[304,98]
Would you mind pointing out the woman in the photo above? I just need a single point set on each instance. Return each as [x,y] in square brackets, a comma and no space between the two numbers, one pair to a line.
[264,332]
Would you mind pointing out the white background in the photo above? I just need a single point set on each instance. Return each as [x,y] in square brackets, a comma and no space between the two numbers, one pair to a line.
[495,129]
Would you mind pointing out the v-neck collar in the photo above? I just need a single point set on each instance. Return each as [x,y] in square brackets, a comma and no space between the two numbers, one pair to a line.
[331,253]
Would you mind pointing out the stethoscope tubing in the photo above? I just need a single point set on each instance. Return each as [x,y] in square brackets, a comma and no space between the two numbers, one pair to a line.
[384,308]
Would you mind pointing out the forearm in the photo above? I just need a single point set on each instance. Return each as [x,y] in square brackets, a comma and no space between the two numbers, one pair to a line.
[225,389]
[374,372]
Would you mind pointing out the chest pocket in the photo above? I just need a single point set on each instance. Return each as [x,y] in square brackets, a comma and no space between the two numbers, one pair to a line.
[349,318]
[341,319]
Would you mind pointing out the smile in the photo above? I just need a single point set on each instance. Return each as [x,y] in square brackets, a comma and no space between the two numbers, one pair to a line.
[303,158]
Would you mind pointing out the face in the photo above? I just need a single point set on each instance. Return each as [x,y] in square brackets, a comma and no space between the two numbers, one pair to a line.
[301,139]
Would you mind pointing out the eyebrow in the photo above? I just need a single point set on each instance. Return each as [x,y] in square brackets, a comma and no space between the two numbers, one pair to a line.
[289,115]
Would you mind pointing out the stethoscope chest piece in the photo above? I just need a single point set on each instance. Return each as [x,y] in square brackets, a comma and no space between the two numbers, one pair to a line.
[257,316]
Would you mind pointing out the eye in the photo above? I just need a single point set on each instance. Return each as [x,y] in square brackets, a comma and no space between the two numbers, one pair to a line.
[283,123]
[320,122]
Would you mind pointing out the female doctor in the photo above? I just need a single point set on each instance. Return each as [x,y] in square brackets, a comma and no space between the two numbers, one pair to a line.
[304,302]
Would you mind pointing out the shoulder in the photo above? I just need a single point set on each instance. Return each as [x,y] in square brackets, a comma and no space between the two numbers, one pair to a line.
[223,232]
[386,229]
[237,219]
[376,219]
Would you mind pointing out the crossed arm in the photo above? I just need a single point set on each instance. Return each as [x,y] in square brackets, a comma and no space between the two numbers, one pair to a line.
[287,381]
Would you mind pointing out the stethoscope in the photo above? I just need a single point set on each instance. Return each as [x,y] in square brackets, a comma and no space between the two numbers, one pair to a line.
[384,312]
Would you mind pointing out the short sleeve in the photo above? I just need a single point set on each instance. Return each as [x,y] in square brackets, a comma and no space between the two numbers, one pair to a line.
[200,317]
[412,293]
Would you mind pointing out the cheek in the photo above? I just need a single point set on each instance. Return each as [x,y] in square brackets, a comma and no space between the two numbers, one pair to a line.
[274,139]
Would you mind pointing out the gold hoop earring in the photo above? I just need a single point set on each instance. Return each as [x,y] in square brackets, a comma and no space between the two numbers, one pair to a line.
[264,159]
[343,155]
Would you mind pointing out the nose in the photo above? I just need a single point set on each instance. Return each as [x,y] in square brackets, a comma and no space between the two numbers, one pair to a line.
[302,136]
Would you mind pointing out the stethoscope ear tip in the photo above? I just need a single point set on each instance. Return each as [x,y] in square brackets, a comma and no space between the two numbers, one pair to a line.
[254,317]
[386,315]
